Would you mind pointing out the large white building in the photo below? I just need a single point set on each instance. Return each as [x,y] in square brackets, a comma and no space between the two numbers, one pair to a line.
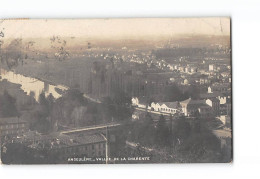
[166,107]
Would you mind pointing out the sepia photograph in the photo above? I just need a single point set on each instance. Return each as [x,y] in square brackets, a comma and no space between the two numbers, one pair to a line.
[116,91]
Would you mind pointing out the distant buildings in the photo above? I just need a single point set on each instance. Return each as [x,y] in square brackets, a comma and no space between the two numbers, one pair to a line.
[212,67]
[204,80]
[220,87]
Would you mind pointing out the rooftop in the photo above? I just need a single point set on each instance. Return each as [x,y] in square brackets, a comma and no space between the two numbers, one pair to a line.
[210,95]
[173,105]
[187,101]
[11,120]
[57,140]
[194,102]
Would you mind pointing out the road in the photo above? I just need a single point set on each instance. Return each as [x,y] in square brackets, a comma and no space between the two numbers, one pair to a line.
[91,99]
[222,133]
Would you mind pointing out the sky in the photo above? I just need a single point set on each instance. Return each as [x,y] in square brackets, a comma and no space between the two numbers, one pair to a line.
[114,28]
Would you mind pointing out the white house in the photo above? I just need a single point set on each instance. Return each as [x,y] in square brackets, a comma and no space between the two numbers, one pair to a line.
[222,100]
[210,90]
[212,67]
[137,103]
[225,119]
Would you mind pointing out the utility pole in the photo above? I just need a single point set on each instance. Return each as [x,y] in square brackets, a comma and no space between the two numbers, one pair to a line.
[107,145]
[171,132]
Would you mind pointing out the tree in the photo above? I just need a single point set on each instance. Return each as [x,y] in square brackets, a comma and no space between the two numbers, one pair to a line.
[59,47]
[143,131]
[193,92]
[181,130]
[162,137]
[121,103]
[173,93]
[201,146]
[50,103]
[7,105]
[148,131]
[197,143]
[13,53]
[41,114]
[41,123]
[43,105]
[197,122]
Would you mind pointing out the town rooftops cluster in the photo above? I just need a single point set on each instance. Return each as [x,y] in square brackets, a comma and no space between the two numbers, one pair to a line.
[58,140]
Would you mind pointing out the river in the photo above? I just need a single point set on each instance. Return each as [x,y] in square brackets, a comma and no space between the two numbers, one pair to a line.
[29,84]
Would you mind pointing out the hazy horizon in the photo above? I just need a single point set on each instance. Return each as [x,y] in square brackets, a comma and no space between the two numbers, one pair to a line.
[115,28]
[129,32]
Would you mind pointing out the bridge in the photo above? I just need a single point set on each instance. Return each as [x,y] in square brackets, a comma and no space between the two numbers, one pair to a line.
[90,128]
